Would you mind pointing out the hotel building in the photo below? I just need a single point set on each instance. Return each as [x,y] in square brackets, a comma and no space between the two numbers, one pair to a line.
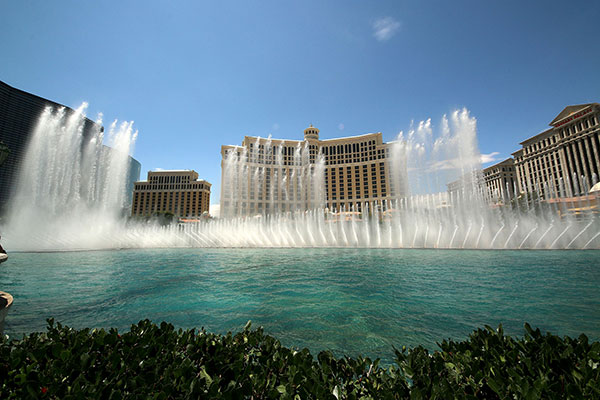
[266,175]
[495,183]
[500,180]
[563,161]
[179,192]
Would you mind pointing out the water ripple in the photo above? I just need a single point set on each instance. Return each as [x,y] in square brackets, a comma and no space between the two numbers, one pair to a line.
[350,301]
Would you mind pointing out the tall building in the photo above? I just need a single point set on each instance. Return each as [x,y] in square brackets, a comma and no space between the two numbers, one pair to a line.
[179,192]
[563,161]
[266,175]
[19,114]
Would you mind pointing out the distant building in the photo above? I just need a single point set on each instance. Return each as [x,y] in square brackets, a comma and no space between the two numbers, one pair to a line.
[563,161]
[495,183]
[19,114]
[468,185]
[266,175]
[179,192]
[500,180]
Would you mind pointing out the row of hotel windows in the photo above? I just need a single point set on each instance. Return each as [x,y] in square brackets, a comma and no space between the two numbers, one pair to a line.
[283,172]
[567,131]
[170,179]
[176,196]
[327,149]
[358,157]
[148,202]
[176,186]
[334,154]
[497,170]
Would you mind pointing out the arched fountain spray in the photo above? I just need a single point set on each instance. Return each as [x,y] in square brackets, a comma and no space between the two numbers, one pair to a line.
[71,196]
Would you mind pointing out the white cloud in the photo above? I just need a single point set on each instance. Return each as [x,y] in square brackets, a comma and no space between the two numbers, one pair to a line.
[341,126]
[158,169]
[460,163]
[384,28]
[444,165]
[488,158]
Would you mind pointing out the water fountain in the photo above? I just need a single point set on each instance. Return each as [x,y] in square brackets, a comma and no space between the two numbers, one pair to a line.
[71,190]
[298,188]
[71,196]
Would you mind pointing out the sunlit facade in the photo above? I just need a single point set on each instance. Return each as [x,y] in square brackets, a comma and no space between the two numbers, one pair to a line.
[500,180]
[563,161]
[266,175]
[178,192]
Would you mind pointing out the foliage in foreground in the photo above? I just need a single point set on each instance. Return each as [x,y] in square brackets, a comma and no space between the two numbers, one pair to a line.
[159,362]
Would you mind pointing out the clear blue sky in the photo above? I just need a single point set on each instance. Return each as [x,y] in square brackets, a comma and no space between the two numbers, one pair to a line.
[195,75]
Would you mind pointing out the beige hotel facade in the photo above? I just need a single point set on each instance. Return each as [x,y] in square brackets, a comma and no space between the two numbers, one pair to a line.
[563,161]
[177,191]
[496,183]
[266,175]
[500,180]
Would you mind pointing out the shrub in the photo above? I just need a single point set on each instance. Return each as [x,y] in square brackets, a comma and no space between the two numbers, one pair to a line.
[159,362]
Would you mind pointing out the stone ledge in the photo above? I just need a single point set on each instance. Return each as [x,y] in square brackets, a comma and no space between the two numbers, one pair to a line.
[6,301]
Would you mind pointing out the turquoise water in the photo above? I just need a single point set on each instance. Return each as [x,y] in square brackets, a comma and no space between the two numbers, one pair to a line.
[351,301]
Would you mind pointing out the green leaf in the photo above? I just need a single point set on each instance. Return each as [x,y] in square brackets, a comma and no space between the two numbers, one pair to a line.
[203,374]
[336,392]
[64,355]
[415,394]
[495,386]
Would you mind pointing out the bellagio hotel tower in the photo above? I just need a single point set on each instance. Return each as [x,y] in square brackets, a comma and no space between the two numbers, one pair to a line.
[266,175]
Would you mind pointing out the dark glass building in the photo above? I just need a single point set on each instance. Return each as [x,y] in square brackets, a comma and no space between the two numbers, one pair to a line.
[19,114]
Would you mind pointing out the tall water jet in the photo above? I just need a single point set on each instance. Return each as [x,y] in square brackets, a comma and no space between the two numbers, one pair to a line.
[72,190]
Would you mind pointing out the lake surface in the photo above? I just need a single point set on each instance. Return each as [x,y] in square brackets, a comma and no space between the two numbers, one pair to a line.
[351,301]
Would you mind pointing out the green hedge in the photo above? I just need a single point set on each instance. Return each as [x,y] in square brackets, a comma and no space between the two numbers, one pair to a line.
[159,362]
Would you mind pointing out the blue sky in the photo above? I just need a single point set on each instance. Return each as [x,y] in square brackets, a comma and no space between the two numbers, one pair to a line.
[195,75]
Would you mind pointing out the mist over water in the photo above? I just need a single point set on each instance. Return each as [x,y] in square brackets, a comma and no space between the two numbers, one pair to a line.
[72,195]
